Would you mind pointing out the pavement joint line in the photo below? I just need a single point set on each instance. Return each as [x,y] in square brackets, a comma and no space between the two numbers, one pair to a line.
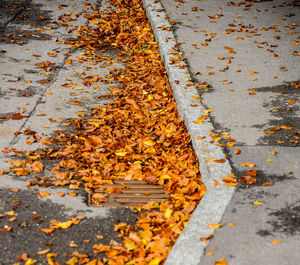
[188,248]
[44,89]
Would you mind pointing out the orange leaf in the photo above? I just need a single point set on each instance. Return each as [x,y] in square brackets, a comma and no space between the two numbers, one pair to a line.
[47,230]
[266,184]
[37,166]
[246,164]
[206,239]
[237,151]
[275,241]
[43,193]
[257,203]
[42,252]
[216,160]
[221,262]
[72,261]
[215,226]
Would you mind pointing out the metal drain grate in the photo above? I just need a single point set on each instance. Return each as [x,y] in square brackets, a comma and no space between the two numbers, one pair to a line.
[129,193]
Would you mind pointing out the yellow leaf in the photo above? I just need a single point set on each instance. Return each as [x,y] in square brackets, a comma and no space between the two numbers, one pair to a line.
[149,143]
[156,261]
[129,245]
[168,213]
[269,160]
[121,153]
[30,262]
[257,203]
[63,225]
[10,213]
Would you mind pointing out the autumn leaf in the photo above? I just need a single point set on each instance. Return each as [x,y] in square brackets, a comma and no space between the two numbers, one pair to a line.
[215,226]
[60,193]
[62,225]
[100,248]
[257,203]
[247,164]
[43,193]
[221,262]
[206,239]
[149,143]
[201,119]
[47,230]
[23,257]
[216,160]
[156,261]
[10,213]
[237,151]
[267,184]
[14,190]
[72,261]
[121,153]
[275,241]
[43,252]
[95,262]
[37,166]
[30,262]
[229,49]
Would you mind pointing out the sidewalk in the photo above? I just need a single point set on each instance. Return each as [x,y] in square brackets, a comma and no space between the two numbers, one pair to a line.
[244,57]
[41,88]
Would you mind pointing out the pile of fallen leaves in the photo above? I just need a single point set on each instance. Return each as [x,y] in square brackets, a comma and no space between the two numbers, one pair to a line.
[140,136]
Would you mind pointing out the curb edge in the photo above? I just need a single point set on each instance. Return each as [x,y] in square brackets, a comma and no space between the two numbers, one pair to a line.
[188,248]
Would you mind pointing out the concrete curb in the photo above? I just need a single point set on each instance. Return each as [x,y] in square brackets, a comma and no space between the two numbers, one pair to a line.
[189,248]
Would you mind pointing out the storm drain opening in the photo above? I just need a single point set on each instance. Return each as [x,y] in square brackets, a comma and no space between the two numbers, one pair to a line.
[127,193]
